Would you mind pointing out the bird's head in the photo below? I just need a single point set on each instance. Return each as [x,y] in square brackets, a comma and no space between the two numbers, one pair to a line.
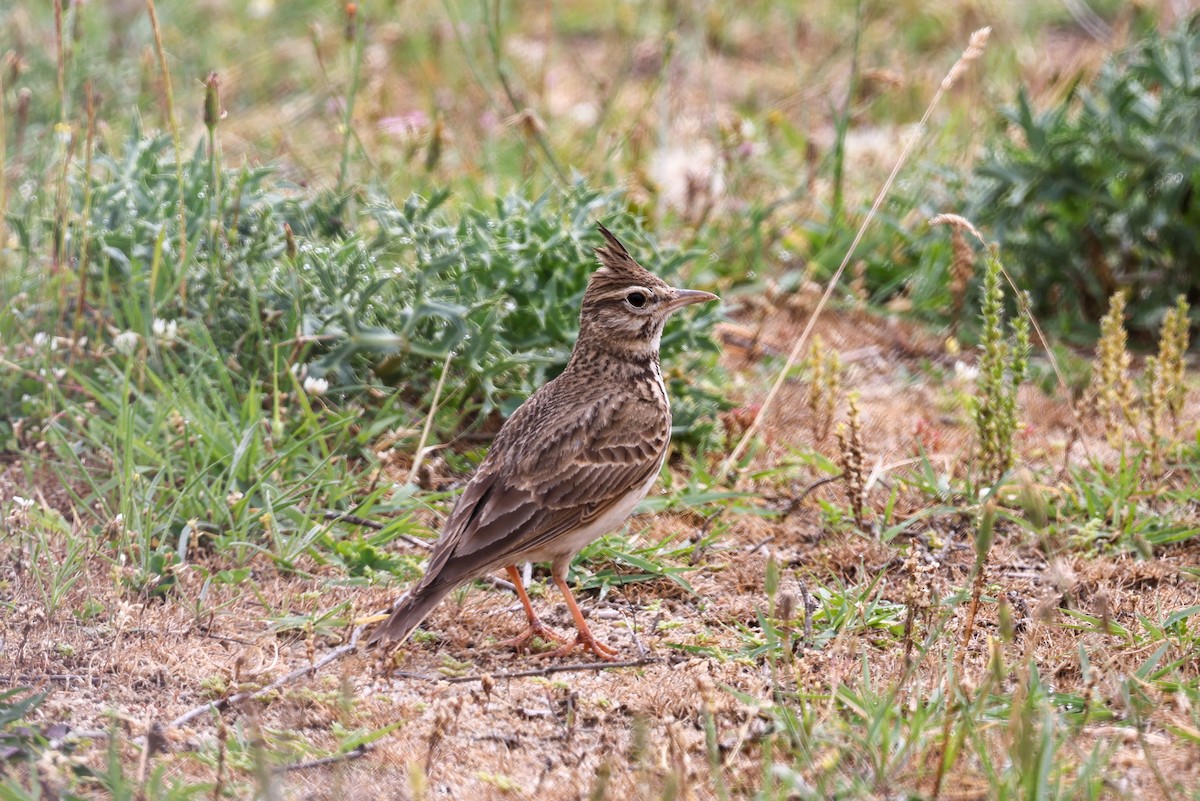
[626,306]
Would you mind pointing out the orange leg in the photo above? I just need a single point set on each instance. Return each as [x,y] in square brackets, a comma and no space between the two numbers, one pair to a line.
[584,637]
[536,627]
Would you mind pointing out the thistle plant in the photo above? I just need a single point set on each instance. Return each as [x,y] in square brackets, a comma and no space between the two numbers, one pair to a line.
[1002,367]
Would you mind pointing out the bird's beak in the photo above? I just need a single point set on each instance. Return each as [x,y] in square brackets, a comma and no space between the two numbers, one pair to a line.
[685,297]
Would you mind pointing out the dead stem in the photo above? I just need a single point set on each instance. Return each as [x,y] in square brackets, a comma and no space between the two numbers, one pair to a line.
[975,49]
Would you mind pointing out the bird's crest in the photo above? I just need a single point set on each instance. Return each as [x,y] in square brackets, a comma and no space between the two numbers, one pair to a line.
[616,265]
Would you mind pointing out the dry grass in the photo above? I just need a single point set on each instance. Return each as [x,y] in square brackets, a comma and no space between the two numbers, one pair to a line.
[137,663]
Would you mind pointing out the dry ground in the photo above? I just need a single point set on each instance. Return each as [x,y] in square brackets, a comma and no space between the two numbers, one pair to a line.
[474,733]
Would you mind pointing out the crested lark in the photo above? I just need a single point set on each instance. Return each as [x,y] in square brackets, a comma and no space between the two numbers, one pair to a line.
[572,462]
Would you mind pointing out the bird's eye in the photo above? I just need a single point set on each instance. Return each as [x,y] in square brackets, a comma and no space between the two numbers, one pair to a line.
[636,299]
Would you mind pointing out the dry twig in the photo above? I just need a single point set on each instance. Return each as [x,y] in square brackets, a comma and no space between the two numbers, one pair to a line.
[545,671]
[355,753]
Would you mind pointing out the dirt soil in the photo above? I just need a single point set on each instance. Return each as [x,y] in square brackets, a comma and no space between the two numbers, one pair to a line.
[467,728]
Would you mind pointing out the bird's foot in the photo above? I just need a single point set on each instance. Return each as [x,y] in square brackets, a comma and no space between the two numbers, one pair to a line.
[588,643]
[536,628]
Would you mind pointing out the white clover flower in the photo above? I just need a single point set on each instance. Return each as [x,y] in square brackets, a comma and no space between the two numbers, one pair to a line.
[126,342]
[164,330]
[40,339]
[315,386]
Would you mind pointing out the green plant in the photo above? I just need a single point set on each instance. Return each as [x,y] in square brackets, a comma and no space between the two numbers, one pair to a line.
[1166,379]
[1151,417]
[1111,393]
[1096,193]
[851,459]
[824,387]
[1003,363]
[355,291]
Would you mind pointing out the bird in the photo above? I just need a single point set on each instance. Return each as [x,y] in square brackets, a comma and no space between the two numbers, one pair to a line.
[571,463]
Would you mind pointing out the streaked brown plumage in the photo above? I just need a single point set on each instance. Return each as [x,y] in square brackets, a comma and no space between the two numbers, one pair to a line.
[571,463]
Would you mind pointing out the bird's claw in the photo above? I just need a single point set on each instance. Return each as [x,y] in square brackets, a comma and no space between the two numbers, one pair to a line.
[538,629]
[588,643]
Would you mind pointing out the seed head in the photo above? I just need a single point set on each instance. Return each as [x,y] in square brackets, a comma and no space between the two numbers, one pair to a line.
[213,113]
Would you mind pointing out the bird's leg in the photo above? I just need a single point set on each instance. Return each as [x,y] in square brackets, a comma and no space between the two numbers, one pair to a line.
[584,637]
[536,627]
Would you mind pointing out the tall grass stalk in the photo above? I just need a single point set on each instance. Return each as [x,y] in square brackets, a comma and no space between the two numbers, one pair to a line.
[354,32]
[842,121]
[419,456]
[531,125]
[62,138]
[974,51]
[212,116]
[176,141]
[3,160]
[60,59]
[86,222]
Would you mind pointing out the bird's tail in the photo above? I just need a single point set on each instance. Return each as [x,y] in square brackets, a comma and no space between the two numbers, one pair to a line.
[408,615]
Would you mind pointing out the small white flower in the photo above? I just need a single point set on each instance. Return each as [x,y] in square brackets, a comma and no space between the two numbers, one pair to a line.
[18,515]
[126,342]
[315,386]
[965,372]
[40,339]
[164,330]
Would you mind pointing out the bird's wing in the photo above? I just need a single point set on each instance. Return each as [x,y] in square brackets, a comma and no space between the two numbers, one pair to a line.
[548,481]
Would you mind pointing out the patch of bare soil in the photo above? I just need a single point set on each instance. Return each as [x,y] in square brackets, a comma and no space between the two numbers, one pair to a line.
[469,729]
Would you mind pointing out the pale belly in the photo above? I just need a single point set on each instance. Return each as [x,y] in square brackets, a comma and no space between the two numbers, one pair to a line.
[570,543]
